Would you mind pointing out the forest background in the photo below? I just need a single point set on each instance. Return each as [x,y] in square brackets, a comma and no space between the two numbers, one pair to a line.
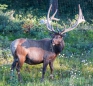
[23,19]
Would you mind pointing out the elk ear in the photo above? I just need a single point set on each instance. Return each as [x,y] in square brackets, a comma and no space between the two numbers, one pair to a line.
[63,35]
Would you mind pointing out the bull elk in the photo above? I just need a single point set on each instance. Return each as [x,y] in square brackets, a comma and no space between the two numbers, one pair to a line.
[43,51]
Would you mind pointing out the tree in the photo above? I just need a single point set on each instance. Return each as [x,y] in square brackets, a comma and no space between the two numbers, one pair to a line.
[54,5]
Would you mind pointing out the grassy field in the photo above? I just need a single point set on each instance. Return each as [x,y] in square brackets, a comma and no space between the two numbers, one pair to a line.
[68,71]
[73,68]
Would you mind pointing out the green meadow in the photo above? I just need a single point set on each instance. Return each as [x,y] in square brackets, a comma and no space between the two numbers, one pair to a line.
[21,19]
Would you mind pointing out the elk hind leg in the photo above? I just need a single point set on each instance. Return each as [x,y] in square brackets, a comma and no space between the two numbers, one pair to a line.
[19,66]
[18,71]
[13,66]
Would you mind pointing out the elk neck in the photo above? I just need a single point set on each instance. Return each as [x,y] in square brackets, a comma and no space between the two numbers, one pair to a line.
[57,48]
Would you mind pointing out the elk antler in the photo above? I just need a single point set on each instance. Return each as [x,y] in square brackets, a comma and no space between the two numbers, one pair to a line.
[49,20]
[79,20]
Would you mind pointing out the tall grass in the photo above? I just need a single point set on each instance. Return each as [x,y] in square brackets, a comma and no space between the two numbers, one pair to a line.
[67,72]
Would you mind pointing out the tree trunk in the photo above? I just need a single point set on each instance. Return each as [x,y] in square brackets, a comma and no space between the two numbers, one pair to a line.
[54,5]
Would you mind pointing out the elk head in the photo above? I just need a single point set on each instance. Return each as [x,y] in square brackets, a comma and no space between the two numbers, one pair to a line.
[57,38]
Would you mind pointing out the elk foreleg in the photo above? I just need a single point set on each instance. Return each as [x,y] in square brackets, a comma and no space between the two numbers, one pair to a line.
[51,69]
[44,70]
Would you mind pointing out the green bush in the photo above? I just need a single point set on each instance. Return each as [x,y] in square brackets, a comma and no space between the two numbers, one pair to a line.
[5,48]
[7,24]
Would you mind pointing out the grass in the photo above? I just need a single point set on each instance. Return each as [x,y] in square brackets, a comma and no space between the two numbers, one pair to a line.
[67,72]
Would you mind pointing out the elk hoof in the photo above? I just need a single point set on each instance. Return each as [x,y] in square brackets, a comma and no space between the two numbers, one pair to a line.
[42,80]
[51,76]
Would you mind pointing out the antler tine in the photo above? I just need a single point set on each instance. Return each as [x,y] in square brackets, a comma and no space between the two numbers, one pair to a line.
[64,26]
[53,18]
[70,22]
[49,20]
[80,19]
[58,29]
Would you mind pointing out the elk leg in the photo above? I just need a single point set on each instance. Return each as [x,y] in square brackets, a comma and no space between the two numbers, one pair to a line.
[44,70]
[13,67]
[21,61]
[18,72]
[51,69]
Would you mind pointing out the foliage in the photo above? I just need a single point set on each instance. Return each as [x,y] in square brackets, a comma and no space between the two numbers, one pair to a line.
[4,43]
[7,24]
[20,19]
[3,7]
[4,49]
